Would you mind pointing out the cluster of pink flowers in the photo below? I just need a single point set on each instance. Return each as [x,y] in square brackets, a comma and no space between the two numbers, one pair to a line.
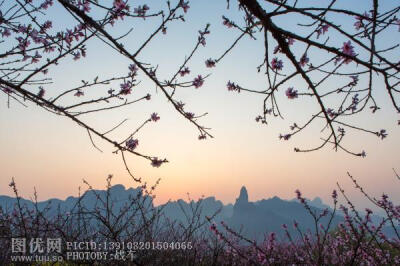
[155,162]
[141,10]
[210,63]
[291,93]
[304,60]
[132,144]
[189,115]
[232,86]
[354,80]
[276,64]
[126,88]
[198,82]
[84,5]
[184,71]
[120,7]
[331,112]
[359,21]
[357,240]
[348,49]
[46,4]
[75,34]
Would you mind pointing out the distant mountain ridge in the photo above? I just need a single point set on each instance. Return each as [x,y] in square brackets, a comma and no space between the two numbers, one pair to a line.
[258,217]
[253,218]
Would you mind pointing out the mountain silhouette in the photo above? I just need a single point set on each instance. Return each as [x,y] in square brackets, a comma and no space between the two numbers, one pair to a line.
[252,219]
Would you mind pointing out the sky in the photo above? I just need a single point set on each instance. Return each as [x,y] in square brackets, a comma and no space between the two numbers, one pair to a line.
[52,154]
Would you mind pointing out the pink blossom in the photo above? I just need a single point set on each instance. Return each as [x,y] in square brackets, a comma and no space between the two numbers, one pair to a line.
[198,82]
[79,93]
[185,6]
[84,5]
[226,22]
[45,5]
[232,86]
[126,88]
[47,25]
[132,144]
[210,63]
[382,134]
[133,68]
[331,112]
[6,33]
[76,55]
[36,57]
[119,7]
[291,93]
[322,30]
[202,39]
[189,115]
[276,64]
[290,41]
[355,80]
[7,90]
[304,60]
[155,162]
[325,28]
[154,117]
[348,49]
[359,21]
[213,227]
[141,10]
[184,71]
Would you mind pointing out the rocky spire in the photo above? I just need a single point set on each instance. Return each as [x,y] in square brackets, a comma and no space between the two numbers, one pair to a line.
[243,197]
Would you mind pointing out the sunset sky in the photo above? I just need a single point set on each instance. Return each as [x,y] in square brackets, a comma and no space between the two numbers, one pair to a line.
[53,154]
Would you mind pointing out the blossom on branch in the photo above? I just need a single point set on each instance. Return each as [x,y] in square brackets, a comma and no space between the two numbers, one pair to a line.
[154,117]
[276,64]
[198,82]
[348,49]
[184,71]
[132,144]
[291,93]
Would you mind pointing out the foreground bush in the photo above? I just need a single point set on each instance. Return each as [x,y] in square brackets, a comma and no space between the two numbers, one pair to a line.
[140,234]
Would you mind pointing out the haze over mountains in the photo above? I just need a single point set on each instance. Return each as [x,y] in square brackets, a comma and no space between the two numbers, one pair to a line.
[254,219]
